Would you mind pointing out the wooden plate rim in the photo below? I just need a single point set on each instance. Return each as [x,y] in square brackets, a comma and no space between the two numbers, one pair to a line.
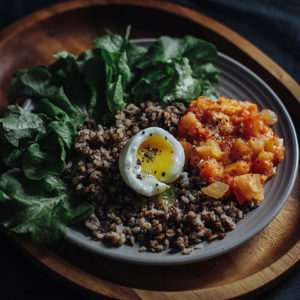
[83,279]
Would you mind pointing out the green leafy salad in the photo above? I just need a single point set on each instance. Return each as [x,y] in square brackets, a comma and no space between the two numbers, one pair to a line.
[35,194]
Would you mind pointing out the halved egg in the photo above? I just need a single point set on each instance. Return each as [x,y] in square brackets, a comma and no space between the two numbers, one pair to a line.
[151,159]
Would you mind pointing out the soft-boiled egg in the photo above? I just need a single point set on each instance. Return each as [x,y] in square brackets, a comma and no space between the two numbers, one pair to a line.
[151,159]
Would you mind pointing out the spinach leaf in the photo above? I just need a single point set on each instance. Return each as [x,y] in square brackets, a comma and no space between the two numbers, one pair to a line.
[134,53]
[112,43]
[10,156]
[94,76]
[176,69]
[19,126]
[45,157]
[53,83]
[42,207]
[163,49]
[179,84]
[144,88]
[166,48]
[119,56]
[66,72]
[113,51]
[75,113]
[209,74]
[53,112]
[31,82]
[65,130]
[169,81]
[61,124]
[115,93]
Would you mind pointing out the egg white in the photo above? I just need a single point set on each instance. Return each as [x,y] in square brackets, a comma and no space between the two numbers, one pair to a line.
[149,185]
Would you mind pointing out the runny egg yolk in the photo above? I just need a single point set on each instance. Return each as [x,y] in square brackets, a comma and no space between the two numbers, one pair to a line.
[155,156]
[150,160]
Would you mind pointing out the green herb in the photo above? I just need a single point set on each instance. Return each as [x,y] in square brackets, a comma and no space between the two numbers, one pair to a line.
[167,198]
[44,158]
[170,81]
[10,155]
[19,126]
[44,207]
[119,55]
[58,121]
[176,69]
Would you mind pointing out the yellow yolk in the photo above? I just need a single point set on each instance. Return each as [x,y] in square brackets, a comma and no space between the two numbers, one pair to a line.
[150,160]
[155,155]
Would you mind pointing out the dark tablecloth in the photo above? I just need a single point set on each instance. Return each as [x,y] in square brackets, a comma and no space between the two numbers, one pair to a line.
[272,25]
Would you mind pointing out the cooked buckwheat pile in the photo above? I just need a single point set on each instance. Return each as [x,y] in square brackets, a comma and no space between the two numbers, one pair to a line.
[124,217]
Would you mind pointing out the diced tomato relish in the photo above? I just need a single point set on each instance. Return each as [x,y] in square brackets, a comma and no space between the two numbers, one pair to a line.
[229,141]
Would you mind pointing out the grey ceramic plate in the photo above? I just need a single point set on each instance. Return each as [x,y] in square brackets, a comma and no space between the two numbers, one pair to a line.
[236,81]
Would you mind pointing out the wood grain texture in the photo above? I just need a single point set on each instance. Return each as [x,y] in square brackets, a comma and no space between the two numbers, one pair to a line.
[258,263]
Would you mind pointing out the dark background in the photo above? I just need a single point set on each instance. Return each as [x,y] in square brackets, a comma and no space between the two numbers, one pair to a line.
[272,25]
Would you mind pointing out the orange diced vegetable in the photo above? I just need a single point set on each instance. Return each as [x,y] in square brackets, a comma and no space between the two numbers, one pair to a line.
[216,190]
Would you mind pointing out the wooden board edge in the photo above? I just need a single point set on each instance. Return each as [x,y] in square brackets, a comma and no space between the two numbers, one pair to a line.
[62,269]
[96,285]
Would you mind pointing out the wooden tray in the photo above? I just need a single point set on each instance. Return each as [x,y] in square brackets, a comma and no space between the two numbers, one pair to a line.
[247,270]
